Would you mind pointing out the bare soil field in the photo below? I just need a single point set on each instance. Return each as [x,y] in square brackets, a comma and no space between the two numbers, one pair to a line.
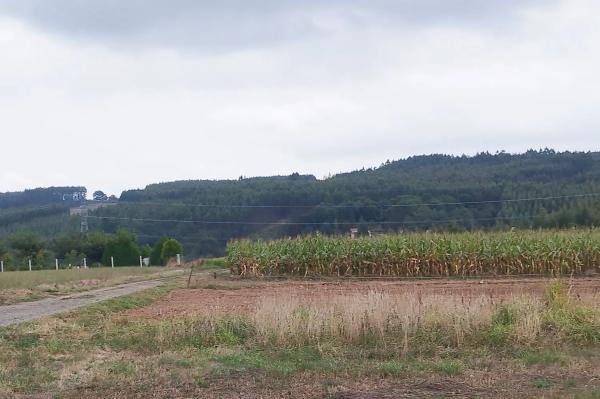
[238,296]
[377,339]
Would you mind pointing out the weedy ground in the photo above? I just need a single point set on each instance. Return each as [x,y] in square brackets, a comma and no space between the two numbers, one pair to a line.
[372,344]
[26,286]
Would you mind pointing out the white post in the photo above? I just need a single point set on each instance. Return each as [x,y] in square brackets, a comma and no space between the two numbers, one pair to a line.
[29,264]
[85,263]
[56,263]
[2,266]
[178,260]
[141,264]
[112,261]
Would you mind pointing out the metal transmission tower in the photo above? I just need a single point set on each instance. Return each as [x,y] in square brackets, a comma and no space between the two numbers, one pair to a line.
[82,210]
[84,227]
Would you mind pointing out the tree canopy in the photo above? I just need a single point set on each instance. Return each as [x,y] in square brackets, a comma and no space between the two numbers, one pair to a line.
[433,192]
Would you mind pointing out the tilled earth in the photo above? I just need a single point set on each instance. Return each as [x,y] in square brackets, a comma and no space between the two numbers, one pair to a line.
[228,296]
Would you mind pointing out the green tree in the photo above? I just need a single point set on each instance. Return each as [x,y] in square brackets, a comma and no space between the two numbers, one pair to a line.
[156,255]
[5,256]
[41,259]
[26,245]
[68,242]
[146,251]
[95,245]
[170,249]
[99,196]
[123,248]
[73,258]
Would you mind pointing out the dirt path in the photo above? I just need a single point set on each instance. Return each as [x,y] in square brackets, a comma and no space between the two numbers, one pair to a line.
[13,314]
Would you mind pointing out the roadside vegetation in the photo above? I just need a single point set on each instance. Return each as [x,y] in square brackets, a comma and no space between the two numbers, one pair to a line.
[314,347]
[550,253]
[38,284]
[97,248]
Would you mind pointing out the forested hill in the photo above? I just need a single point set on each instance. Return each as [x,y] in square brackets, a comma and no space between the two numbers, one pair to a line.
[418,193]
[43,210]
[42,196]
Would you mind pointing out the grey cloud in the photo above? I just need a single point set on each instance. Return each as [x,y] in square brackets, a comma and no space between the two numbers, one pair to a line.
[229,24]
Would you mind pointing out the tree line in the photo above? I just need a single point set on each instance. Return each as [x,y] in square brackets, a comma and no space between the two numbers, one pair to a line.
[97,248]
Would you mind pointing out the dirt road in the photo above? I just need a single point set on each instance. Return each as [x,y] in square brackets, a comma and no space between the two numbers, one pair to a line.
[13,314]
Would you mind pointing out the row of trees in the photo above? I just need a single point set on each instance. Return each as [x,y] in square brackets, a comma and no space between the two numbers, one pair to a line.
[43,196]
[97,248]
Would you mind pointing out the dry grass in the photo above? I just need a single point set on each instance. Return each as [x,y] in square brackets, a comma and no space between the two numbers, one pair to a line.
[25,285]
[411,318]
[25,279]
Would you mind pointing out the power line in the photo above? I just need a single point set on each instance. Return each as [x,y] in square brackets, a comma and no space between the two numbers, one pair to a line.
[328,223]
[188,240]
[279,223]
[430,204]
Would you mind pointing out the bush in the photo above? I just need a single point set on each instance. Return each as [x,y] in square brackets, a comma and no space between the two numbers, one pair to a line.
[170,249]
[123,248]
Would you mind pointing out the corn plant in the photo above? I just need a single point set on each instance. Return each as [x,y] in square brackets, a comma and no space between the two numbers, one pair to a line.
[421,254]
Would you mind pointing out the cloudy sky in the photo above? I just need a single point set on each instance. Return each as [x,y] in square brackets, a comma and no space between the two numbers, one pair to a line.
[117,94]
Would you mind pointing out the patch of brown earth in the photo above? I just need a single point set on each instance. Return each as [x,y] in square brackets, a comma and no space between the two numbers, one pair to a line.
[495,383]
[233,297]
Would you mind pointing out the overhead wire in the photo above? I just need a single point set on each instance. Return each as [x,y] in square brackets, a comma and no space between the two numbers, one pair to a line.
[283,223]
[407,205]
[335,223]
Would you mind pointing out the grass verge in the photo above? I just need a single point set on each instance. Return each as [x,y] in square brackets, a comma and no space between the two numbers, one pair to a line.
[26,286]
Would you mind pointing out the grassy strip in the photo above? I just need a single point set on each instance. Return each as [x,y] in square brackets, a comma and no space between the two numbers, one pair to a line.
[27,286]
[33,354]
[28,280]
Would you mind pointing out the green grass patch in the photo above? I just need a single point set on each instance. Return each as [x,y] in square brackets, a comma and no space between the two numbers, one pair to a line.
[392,368]
[201,382]
[541,383]
[592,393]
[277,363]
[448,367]
[215,264]
[188,362]
[121,367]
[543,358]
[27,341]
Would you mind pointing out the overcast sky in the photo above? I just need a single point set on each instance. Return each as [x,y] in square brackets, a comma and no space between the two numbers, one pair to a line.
[117,94]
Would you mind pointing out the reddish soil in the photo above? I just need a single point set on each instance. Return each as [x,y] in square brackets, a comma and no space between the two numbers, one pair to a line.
[241,296]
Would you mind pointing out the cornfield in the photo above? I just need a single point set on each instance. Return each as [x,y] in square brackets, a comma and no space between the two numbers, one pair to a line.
[421,254]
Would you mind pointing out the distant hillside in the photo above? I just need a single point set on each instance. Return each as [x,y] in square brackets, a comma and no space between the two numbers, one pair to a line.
[42,196]
[419,193]
[399,195]
[44,210]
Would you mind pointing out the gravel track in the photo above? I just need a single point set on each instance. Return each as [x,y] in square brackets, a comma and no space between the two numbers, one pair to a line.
[18,313]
